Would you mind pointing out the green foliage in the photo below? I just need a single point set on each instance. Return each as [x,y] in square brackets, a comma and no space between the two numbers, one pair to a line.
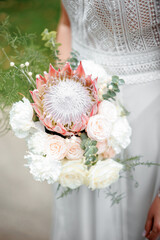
[50,38]
[114,196]
[132,162]
[73,60]
[124,111]
[113,88]
[65,191]
[24,48]
[90,150]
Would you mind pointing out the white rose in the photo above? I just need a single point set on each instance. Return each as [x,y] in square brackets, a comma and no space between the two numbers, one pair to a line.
[98,128]
[21,116]
[109,110]
[57,147]
[43,168]
[103,174]
[120,135]
[96,70]
[74,148]
[73,174]
[37,142]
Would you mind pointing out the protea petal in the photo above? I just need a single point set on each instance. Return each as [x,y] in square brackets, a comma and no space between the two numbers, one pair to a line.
[40,83]
[52,71]
[35,96]
[37,109]
[94,110]
[77,127]
[80,71]
[66,70]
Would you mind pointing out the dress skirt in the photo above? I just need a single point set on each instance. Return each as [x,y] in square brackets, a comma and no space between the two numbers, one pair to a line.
[88,215]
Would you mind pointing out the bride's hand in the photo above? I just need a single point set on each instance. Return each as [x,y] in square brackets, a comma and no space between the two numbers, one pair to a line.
[152,226]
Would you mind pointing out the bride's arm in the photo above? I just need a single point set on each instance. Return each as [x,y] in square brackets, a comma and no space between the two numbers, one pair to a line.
[64,34]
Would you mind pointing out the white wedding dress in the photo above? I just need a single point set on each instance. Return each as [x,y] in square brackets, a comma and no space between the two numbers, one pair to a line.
[124,37]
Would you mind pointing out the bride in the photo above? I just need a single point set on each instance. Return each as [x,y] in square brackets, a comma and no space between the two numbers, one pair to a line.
[123,36]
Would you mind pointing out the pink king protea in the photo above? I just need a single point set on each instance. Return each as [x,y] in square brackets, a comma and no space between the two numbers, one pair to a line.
[65,99]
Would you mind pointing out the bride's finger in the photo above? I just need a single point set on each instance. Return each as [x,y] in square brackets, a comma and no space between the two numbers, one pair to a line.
[155,230]
[153,236]
[149,223]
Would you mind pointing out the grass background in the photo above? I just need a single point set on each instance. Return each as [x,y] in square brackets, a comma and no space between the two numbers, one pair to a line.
[31,16]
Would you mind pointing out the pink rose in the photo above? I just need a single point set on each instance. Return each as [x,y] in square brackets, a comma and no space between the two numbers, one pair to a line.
[57,147]
[74,148]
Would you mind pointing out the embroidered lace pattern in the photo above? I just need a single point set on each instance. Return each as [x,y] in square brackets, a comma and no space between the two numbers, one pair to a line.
[121,35]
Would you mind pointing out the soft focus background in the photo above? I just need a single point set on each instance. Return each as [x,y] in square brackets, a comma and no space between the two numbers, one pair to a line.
[25,205]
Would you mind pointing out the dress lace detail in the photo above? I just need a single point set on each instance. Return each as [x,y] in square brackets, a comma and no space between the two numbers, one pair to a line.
[122,35]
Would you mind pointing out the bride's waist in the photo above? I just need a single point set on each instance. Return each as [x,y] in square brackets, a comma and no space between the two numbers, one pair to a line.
[134,67]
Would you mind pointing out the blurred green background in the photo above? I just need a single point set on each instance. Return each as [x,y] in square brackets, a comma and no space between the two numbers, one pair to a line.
[31,16]
[25,205]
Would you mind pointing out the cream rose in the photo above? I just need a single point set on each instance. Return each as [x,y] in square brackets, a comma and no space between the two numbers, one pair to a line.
[109,110]
[73,174]
[74,148]
[57,147]
[103,174]
[98,128]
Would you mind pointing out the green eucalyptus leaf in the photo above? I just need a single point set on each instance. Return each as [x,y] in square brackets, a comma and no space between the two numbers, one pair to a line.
[111,93]
[88,143]
[93,143]
[83,144]
[83,136]
[91,158]
[115,79]
[121,82]
[87,162]
[91,150]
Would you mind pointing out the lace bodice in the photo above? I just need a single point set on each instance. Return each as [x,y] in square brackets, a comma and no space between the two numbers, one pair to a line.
[122,35]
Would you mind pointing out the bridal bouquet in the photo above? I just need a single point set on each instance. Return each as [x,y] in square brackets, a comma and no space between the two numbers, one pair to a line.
[74,127]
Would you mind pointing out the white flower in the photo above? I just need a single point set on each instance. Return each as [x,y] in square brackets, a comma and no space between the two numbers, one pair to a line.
[103,174]
[43,168]
[73,174]
[37,143]
[30,74]
[109,110]
[21,116]
[74,149]
[120,135]
[12,64]
[98,128]
[22,65]
[57,147]
[96,70]
[26,64]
